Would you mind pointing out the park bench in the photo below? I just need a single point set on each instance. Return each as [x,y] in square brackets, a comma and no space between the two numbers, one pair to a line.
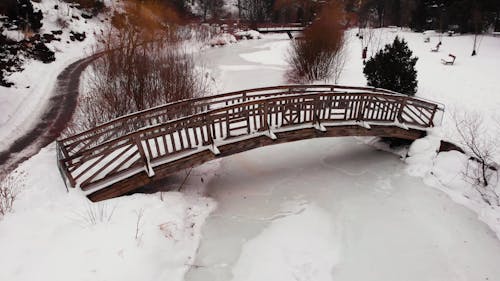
[436,49]
[450,60]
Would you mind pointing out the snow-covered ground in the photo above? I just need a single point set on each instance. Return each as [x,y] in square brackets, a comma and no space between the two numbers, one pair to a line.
[58,235]
[330,209]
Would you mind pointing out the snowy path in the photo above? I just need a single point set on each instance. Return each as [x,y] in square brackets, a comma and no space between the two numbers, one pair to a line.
[336,209]
[53,120]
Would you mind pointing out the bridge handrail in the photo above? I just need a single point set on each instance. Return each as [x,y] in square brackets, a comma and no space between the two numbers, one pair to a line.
[402,109]
[203,103]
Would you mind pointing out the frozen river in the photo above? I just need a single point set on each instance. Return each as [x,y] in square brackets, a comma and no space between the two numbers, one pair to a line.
[329,209]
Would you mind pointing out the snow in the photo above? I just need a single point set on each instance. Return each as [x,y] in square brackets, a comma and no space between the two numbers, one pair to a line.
[13,35]
[272,54]
[394,220]
[248,34]
[51,234]
[324,209]
[295,259]
[222,39]
[22,105]
[446,171]
[467,86]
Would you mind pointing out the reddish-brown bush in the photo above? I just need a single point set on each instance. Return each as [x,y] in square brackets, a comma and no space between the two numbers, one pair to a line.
[319,53]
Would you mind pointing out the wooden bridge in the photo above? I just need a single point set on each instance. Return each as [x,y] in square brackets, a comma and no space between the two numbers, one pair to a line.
[281,28]
[132,151]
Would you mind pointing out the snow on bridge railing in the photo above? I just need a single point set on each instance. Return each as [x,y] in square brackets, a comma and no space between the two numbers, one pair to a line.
[131,143]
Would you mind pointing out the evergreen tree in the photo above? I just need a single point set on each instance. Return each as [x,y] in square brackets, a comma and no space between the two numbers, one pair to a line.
[21,14]
[393,68]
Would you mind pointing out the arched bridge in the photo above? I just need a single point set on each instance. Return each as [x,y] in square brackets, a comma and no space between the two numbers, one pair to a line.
[124,154]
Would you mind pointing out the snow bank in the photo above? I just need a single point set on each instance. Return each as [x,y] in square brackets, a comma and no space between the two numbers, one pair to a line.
[56,235]
[421,155]
[14,35]
[248,34]
[446,172]
[284,250]
[222,39]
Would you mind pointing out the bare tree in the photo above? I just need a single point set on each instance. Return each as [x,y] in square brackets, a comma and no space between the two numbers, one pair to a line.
[482,148]
[144,66]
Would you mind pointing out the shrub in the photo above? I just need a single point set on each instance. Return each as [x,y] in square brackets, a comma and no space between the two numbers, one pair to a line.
[10,187]
[393,68]
[319,54]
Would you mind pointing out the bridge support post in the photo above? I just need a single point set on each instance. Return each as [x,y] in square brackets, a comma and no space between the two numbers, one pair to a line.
[66,175]
[316,118]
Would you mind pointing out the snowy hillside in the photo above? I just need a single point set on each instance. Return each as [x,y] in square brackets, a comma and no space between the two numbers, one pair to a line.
[22,103]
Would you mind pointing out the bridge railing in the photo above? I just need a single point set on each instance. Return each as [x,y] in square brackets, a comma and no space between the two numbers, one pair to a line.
[147,147]
[150,117]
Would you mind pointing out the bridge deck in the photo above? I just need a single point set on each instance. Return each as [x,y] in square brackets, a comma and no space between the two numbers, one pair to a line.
[278,29]
[124,154]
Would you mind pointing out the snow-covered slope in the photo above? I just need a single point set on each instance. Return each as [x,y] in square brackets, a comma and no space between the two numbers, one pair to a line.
[56,235]
[22,104]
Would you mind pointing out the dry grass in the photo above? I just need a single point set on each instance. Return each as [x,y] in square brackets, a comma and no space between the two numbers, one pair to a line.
[10,187]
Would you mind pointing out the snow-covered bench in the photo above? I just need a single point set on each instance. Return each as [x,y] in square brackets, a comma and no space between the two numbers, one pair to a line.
[495,33]
[450,60]
[436,49]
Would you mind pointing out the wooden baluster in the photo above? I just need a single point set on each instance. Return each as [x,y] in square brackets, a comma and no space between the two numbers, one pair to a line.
[62,164]
[228,122]
[157,146]
[140,148]
[164,137]
[265,123]
[431,119]
[402,105]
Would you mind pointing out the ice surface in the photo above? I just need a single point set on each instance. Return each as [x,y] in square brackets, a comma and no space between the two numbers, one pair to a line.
[278,204]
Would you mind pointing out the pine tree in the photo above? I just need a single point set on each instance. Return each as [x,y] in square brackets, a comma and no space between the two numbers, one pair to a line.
[393,68]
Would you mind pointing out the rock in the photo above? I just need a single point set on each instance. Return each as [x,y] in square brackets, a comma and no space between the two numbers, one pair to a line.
[77,36]
[86,16]
[42,53]
[49,37]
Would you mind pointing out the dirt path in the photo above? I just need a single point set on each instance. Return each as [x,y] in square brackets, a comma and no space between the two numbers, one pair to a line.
[53,121]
